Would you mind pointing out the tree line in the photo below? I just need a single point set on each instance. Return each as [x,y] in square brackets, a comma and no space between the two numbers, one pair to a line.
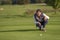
[54,3]
[20,1]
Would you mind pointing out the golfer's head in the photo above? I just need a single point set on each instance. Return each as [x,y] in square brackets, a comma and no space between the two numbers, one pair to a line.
[38,12]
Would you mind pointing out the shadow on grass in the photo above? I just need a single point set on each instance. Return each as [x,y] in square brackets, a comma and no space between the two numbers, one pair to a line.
[25,30]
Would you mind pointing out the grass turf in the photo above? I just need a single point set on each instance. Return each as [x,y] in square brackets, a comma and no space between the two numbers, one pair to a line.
[15,27]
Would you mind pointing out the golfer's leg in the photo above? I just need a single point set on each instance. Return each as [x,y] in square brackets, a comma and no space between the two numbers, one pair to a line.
[38,25]
[42,28]
[44,23]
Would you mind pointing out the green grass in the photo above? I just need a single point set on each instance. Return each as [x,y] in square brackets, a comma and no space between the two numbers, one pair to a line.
[13,26]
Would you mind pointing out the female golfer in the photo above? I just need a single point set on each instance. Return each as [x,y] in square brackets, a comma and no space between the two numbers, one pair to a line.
[41,19]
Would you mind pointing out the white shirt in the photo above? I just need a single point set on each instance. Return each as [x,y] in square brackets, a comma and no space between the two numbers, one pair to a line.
[46,16]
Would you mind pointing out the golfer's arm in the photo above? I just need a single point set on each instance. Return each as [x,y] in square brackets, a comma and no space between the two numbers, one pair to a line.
[37,18]
[45,16]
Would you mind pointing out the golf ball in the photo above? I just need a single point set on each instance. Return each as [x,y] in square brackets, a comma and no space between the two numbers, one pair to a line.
[40,34]
[1,8]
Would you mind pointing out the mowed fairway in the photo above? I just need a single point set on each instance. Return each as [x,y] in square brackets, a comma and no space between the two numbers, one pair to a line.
[13,26]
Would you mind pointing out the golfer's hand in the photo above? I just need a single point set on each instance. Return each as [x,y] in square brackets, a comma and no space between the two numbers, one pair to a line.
[45,18]
[39,23]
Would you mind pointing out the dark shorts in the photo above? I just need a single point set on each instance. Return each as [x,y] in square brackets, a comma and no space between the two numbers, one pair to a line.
[42,24]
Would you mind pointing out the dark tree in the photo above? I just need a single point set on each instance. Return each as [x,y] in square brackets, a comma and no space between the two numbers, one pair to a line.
[54,3]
